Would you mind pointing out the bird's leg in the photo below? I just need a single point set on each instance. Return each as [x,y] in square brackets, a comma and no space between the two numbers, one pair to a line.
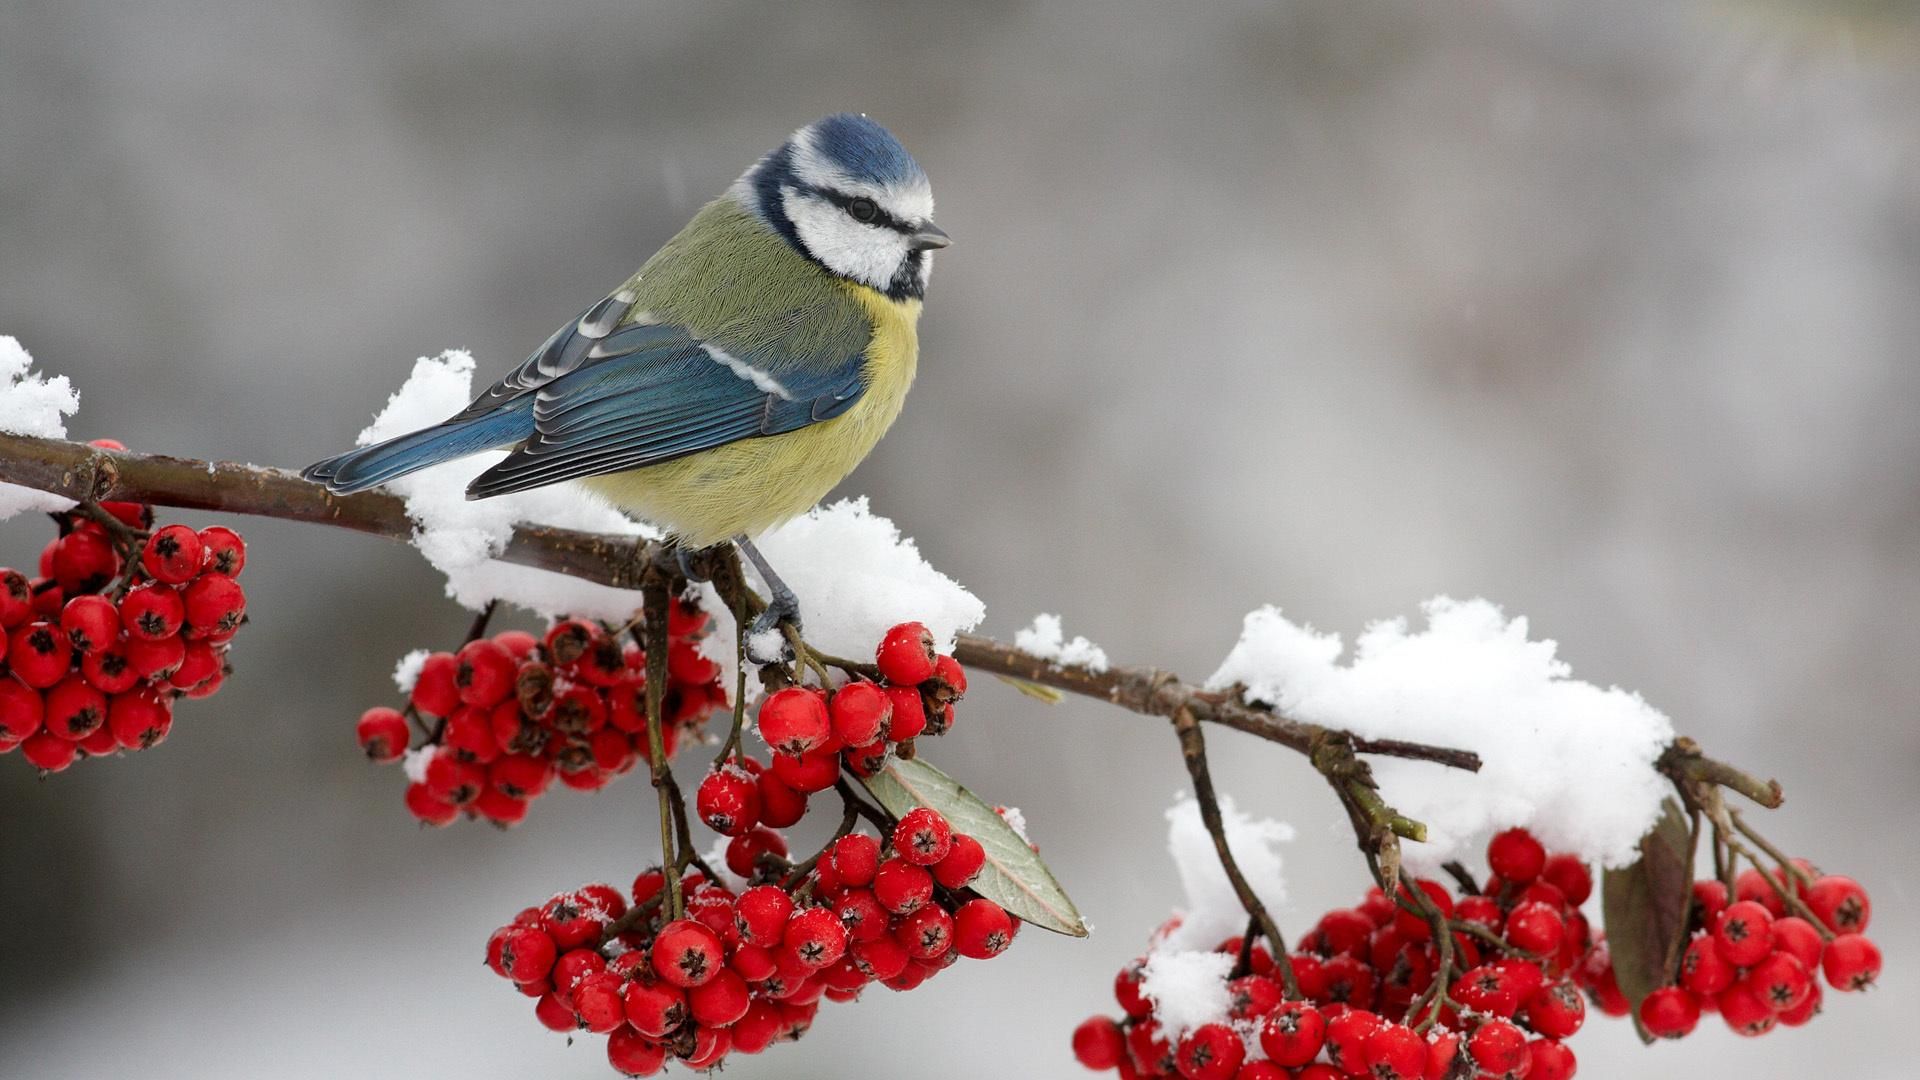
[782,607]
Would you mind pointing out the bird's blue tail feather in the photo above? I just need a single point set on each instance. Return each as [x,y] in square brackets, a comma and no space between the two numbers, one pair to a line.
[371,466]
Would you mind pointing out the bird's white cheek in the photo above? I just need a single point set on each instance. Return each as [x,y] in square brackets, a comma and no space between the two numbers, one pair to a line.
[848,248]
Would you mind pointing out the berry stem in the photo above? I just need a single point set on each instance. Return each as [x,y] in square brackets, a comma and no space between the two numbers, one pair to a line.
[1193,750]
[654,606]
[1462,877]
[480,621]
[849,816]
[1786,864]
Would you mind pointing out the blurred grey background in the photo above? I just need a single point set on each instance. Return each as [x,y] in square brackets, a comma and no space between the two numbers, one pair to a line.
[1604,311]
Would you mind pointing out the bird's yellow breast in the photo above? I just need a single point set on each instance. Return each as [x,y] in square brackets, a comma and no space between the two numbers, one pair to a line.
[749,486]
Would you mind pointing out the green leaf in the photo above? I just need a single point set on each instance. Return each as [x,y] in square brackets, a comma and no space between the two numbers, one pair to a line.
[1645,907]
[1013,877]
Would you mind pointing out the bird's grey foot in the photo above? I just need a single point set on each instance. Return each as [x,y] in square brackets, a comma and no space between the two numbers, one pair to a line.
[766,637]
[683,558]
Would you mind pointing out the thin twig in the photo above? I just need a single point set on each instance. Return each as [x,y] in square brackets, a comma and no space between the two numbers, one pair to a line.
[1193,750]
[656,599]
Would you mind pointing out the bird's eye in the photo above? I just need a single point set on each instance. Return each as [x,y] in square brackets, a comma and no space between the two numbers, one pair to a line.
[863,209]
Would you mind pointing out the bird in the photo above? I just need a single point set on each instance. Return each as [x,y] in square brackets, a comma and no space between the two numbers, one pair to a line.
[733,380]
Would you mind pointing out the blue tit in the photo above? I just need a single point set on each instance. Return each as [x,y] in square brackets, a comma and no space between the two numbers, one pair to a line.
[739,375]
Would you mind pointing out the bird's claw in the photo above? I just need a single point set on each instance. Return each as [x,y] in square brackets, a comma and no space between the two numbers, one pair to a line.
[766,636]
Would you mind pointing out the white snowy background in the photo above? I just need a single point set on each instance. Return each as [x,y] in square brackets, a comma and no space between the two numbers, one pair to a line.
[1601,311]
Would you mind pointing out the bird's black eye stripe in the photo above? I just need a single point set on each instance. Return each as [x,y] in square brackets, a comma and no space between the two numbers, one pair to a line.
[864,210]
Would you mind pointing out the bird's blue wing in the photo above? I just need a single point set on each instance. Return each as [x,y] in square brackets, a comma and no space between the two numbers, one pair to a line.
[650,393]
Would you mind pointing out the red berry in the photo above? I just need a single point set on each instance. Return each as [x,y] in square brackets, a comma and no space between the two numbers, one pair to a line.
[1798,938]
[1098,1043]
[215,604]
[861,915]
[1293,1034]
[926,933]
[1348,981]
[1499,1048]
[855,858]
[1556,1011]
[223,550]
[1841,903]
[905,655]
[962,864]
[781,804]
[902,887]
[654,1008]
[794,721]
[90,622]
[199,665]
[1535,928]
[1851,962]
[728,800]
[813,771]
[484,673]
[1780,980]
[719,1001]
[109,667]
[1805,1011]
[21,710]
[1516,856]
[633,1054]
[39,654]
[1744,933]
[83,561]
[982,930]
[382,733]
[139,718]
[1571,876]
[950,679]
[173,555]
[686,953]
[554,1014]
[434,692]
[16,598]
[49,752]
[500,808]
[429,808]
[814,938]
[1703,970]
[1210,1052]
[758,1029]
[1550,1061]
[1489,988]
[1670,1012]
[881,959]
[155,659]
[1394,1052]
[527,954]
[923,836]
[1744,1011]
[75,709]
[907,712]
[1709,900]
[761,914]
[860,712]
[454,781]
[1347,1036]
[1413,926]
[744,851]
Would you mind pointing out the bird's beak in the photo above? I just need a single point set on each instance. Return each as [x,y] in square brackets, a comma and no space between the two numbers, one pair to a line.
[928,237]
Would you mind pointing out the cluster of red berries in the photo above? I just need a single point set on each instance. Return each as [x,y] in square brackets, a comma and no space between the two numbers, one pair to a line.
[511,713]
[743,970]
[1754,958]
[123,620]
[815,732]
[1510,999]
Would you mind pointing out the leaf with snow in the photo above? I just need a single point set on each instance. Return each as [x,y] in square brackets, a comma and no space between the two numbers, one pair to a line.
[1572,761]
[1013,877]
[1645,906]
[32,404]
